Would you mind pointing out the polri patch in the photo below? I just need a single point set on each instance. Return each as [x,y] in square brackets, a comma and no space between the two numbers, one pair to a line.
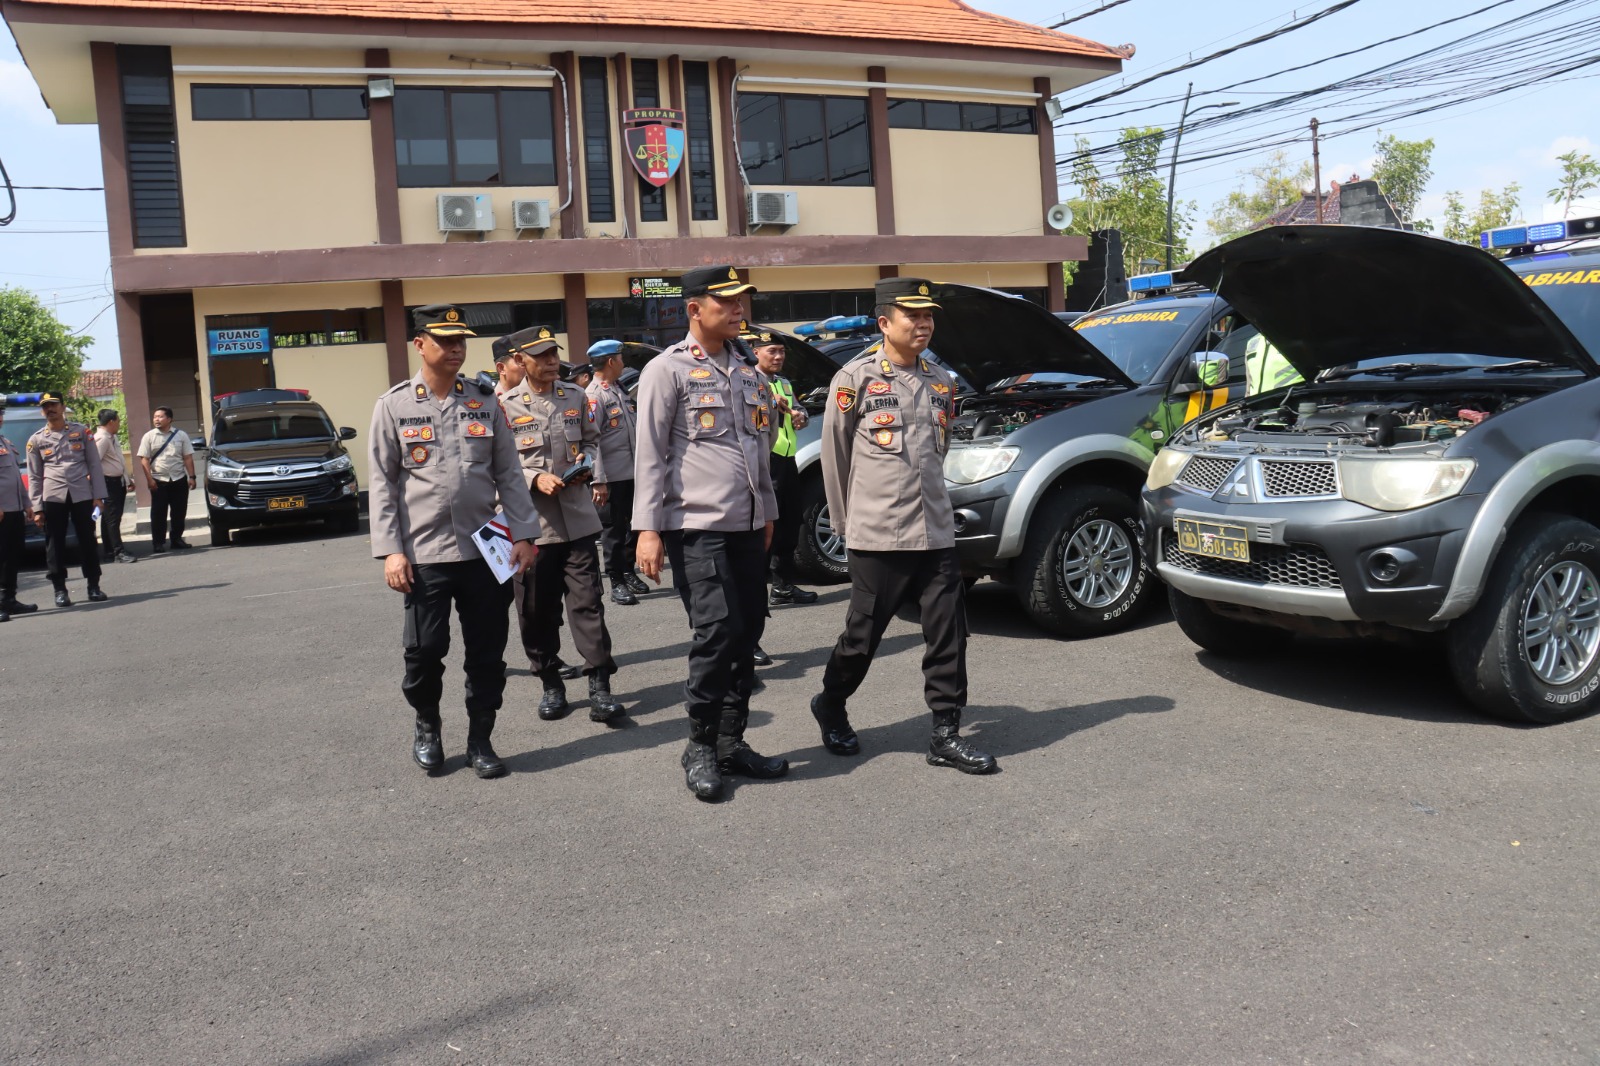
[878,388]
[477,429]
[419,454]
[707,419]
[473,405]
[884,419]
[845,398]
[884,437]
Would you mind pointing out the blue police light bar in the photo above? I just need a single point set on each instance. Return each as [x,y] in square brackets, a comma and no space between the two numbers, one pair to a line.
[21,399]
[808,330]
[1150,282]
[1504,237]
[1547,231]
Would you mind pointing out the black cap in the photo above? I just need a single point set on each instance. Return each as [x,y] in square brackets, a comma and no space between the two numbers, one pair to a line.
[757,337]
[50,397]
[911,293]
[535,340]
[108,415]
[502,349]
[441,320]
[715,280]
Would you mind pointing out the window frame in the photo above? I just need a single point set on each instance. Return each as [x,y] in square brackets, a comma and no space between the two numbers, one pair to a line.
[598,169]
[826,142]
[369,320]
[964,121]
[196,89]
[502,141]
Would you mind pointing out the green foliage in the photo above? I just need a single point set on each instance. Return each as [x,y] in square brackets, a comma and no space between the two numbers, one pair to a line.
[37,354]
[1494,209]
[1579,174]
[1263,190]
[1402,172]
[1132,199]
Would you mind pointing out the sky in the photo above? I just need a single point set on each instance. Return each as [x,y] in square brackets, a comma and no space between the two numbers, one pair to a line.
[57,247]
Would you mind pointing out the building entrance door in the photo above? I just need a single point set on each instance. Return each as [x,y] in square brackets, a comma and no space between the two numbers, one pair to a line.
[239,373]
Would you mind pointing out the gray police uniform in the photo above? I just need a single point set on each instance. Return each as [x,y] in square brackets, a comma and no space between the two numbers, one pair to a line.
[702,482]
[14,504]
[884,438]
[438,468]
[64,480]
[614,418]
[552,431]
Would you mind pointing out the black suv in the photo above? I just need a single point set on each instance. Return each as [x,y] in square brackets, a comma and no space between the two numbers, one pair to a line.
[1437,473]
[276,457]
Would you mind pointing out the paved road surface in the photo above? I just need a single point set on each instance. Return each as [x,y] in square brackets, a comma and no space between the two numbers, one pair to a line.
[218,851]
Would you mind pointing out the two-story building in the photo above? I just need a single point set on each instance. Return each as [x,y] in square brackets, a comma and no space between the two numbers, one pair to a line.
[285,179]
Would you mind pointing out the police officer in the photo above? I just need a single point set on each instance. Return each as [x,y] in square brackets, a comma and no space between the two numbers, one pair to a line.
[15,508]
[554,432]
[614,417]
[66,485]
[884,437]
[703,498]
[507,367]
[788,416]
[439,452]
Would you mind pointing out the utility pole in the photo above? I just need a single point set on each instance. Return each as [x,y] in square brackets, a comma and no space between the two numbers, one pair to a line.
[1172,171]
[1316,169]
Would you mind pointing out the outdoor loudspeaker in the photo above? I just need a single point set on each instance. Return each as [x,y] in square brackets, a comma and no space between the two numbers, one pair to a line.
[1058,217]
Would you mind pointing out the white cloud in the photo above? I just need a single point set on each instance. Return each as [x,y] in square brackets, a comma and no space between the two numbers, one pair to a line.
[1562,145]
[20,100]
[1341,172]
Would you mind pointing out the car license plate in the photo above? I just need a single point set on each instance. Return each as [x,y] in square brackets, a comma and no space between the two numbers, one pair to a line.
[1215,540]
[286,503]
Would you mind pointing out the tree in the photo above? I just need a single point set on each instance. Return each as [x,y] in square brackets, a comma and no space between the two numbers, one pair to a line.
[1579,174]
[1494,209]
[37,354]
[1402,172]
[1263,190]
[1133,199]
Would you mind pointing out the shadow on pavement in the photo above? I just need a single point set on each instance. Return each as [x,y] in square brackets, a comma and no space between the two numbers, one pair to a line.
[43,596]
[430,1034]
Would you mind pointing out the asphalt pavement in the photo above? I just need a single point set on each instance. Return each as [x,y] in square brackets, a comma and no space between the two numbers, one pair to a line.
[219,851]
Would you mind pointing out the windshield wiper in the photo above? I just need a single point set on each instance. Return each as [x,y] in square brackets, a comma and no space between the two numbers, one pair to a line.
[1526,364]
[1399,370]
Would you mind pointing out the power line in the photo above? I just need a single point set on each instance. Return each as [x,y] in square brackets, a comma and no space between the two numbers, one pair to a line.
[61,188]
[1066,21]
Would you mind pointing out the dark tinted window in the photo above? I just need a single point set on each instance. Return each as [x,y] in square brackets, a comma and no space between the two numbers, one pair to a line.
[474,137]
[277,102]
[971,117]
[761,137]
[305,329]
[597,140]
[805,144]
[283,103]
[150,133]
[702,162]
[529,137]
[227,102]
[1016,119]
[905,114]
[849,151]
[980,118]
[421,137]
[268,424]
[338,102]
[804,140]
[1576,302]
[941,115]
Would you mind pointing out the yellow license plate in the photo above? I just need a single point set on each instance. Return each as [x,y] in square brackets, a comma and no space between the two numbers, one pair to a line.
[1215,540]
[286,503]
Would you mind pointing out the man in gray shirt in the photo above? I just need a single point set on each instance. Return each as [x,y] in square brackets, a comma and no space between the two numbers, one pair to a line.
[614,418]
[167,455]
[66,486]
[440,453]
[703,497]
[109,444]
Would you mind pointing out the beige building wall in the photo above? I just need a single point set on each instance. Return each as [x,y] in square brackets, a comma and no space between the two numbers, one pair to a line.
[948,183]
[419,214]
[988,275]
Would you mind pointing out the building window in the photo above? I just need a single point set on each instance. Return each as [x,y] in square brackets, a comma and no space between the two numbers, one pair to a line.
[804,140]
[655,320]
[971,118]
[702,161]
[474,137]
[498,319]
[646,78]
[597,139]
[309,329]
[243,103]
[150,134]
[772,307]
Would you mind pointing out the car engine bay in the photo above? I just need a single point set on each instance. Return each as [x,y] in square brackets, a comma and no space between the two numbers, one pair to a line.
[1356,420]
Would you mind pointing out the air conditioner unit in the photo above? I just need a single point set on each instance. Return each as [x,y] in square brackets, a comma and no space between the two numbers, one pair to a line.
[772,208]
[465,213]
[530,214]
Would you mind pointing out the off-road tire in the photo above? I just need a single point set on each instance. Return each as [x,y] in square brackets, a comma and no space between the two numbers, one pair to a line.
[1486,648]
[1039,582]
[811,564]
[1231,637]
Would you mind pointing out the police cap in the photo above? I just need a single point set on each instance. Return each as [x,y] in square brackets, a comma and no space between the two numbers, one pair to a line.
[715,280]
[441,320]
[535,340]
[910,293]
[600,351]
[50,397]
[757,337]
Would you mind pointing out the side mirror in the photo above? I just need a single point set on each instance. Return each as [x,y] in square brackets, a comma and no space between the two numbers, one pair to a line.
[1211,368]
[346,433]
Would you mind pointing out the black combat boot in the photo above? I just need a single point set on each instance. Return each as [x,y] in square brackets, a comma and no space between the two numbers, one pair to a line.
[636,583]
[837,736]
[948,748]
[603,706]
[62,599]
[427,747]
[480,753]
[734,756]
[553,704]
[10,605]
[699,762]
[785,592]
[621,593]
[760,658]
[96,596]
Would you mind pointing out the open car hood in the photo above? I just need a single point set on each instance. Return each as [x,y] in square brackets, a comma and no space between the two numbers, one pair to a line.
[987,336]
[1328,296]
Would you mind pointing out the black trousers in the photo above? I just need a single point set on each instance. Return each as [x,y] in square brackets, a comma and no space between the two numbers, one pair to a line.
[879,583]
[111,514]
[169,497]
[786,530]
[56,517]
[567,572]
[721,578]
[480,602]
[619,540]
[13,530]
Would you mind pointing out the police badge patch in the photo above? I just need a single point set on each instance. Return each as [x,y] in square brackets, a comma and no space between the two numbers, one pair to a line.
[845,398]
[477,429]
[419,454]
[884,437]
[878,388]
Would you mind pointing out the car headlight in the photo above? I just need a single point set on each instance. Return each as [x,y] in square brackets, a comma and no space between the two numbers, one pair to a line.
[964,466]
[1403,484]
[337,465]
[218,472]
[1164,471]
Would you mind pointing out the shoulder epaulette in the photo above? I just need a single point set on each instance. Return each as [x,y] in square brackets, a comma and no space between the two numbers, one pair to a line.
[398,388]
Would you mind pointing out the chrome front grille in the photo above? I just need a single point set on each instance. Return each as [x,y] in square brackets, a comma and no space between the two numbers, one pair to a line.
[1288,477]
[314,489]
[1207,472]
[1300,565]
